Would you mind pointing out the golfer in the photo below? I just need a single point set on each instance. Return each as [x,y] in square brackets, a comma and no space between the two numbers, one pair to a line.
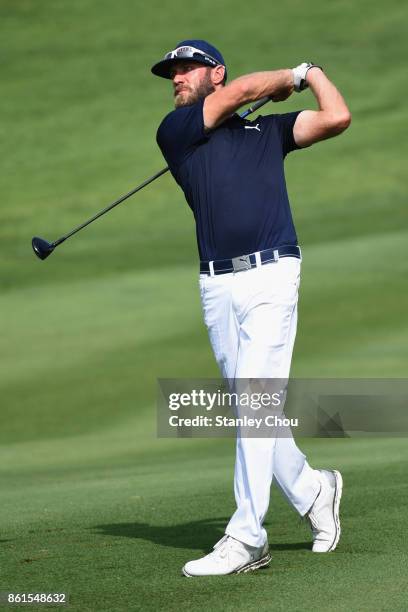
[231,171]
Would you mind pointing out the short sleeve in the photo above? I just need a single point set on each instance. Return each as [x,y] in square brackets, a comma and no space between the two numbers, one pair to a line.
[180,132]
[284,124]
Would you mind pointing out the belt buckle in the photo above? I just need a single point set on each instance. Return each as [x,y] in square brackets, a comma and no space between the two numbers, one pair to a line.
[241,263]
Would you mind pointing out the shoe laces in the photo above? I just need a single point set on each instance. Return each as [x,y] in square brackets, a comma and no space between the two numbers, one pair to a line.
[313,523]
[225,545]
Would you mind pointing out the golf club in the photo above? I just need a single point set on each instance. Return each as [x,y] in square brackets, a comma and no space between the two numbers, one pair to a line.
[42,248]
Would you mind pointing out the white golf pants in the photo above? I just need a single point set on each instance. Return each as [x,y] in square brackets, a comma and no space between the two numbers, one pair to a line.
[251,318]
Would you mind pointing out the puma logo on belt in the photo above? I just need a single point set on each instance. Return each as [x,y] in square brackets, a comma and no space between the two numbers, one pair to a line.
[252,127]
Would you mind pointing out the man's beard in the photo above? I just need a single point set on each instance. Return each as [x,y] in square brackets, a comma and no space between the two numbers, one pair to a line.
[191,97]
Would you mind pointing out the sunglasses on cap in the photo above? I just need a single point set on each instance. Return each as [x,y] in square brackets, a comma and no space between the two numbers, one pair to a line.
[191,53]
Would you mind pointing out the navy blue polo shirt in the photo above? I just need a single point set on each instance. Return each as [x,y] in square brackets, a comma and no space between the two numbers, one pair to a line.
[233,179]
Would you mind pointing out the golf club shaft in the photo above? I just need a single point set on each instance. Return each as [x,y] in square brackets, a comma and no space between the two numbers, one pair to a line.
[254,107]
[247,112]
[105,210]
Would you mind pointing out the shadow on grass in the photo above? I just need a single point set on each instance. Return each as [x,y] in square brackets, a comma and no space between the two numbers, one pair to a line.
[196,535]
[291,546]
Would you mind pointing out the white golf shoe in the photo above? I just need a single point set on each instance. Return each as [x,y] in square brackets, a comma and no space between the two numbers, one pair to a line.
[324,514]
[229,556]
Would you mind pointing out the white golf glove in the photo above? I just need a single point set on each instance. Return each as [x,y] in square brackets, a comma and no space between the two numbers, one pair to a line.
[299,75]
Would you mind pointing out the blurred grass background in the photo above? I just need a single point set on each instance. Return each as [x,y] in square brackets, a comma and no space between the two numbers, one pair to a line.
[86,334]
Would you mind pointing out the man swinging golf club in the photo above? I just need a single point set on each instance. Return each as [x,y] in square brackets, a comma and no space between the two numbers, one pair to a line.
[231,172]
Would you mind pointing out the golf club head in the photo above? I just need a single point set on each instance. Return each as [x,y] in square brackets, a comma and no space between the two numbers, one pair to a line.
[41,247]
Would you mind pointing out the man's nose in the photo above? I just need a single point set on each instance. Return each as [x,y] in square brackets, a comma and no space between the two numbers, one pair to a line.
[177,78]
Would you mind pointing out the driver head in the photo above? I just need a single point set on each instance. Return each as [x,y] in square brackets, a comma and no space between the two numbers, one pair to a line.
[41,247]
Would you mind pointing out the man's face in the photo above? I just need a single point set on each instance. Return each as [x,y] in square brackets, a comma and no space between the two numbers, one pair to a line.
[191,82]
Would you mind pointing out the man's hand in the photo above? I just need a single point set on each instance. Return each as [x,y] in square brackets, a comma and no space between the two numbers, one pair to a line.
[300,73]
[284,90]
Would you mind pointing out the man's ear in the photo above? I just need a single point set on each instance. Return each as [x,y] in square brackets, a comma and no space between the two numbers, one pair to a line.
[218,74]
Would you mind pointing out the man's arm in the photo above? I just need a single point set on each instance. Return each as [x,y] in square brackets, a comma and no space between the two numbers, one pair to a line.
[219,105]
[332,118]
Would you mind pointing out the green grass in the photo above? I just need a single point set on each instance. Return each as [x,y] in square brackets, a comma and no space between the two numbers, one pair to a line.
[92,502]
[114,530]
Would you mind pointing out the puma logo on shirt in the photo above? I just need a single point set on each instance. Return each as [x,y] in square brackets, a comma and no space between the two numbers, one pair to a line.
[252,127]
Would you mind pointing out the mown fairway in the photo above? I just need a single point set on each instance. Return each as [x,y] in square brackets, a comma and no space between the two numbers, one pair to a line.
[92,502]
